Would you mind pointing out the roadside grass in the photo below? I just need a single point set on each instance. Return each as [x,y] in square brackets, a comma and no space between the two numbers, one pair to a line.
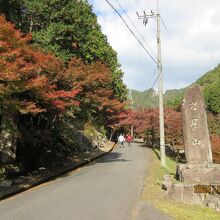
[153,194]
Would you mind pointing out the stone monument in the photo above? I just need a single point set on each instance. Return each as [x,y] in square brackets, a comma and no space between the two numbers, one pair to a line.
[195,128]
[199,178]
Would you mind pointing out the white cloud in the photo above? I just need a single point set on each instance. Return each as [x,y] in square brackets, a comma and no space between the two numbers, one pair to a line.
[191,48]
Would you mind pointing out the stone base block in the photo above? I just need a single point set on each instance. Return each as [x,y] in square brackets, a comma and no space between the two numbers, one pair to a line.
[186,193]
[198,173]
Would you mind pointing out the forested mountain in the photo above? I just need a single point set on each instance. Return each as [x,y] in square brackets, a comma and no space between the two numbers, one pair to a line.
[149,98]
[210,83]
[145,99]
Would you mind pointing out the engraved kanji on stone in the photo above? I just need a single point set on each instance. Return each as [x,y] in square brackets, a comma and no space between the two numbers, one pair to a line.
[196,141]
[193,106]
[195,129]
[194,123]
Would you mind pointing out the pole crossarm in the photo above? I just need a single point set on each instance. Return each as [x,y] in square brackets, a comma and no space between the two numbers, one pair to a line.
[147,15]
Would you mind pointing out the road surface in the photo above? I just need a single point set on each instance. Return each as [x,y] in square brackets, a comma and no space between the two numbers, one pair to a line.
[108,189]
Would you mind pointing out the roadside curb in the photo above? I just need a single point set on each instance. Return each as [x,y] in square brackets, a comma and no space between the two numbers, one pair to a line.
[55,174]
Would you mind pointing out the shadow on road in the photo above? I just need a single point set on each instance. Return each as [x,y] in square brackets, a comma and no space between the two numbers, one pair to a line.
[112,157]
[153,148]
[142,145]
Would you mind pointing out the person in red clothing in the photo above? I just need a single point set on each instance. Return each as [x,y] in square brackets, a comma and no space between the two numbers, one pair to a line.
[129,139]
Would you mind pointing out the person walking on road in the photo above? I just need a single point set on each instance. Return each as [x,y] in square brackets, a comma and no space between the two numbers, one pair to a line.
[129,139]
[121,140]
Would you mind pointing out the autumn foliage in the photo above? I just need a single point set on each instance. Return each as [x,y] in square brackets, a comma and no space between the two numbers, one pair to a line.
[96,95]
[28,78]
[215,142]
[146,124]
[40,94]
[33,82]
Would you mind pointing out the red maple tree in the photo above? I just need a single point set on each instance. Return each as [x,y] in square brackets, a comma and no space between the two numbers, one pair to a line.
[95,92]
[146,124]
[29,78]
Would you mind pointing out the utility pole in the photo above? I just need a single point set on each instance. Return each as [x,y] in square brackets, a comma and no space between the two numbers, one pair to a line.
[145,17]
[132,108]
[160,90]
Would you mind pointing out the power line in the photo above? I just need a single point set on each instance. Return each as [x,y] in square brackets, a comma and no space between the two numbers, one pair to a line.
[154,72]
[136,28]
[149,92]
[165,26]
[131,31]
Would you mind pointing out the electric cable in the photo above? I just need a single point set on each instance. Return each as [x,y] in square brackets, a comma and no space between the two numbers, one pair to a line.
[149,92]
[136,28]
[163,23]
[131,31]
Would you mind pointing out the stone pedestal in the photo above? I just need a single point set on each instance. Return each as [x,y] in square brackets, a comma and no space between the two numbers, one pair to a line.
[181,192]
[198,173]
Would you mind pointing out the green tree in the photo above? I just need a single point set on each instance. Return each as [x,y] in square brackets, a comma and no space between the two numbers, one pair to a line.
[212,94]
[176,101]
[12,9]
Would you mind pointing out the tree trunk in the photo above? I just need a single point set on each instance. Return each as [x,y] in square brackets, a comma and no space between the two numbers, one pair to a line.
[8,140]
[113,131]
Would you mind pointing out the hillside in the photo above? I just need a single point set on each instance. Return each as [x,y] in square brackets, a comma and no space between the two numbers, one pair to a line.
[210,83]
[210,77]
[149,98]
[145,99]
[171,96]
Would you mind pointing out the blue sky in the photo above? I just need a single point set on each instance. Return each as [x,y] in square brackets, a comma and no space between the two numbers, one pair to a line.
[191,48]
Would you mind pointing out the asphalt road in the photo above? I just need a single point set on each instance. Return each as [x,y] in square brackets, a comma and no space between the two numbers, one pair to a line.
[108,189]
